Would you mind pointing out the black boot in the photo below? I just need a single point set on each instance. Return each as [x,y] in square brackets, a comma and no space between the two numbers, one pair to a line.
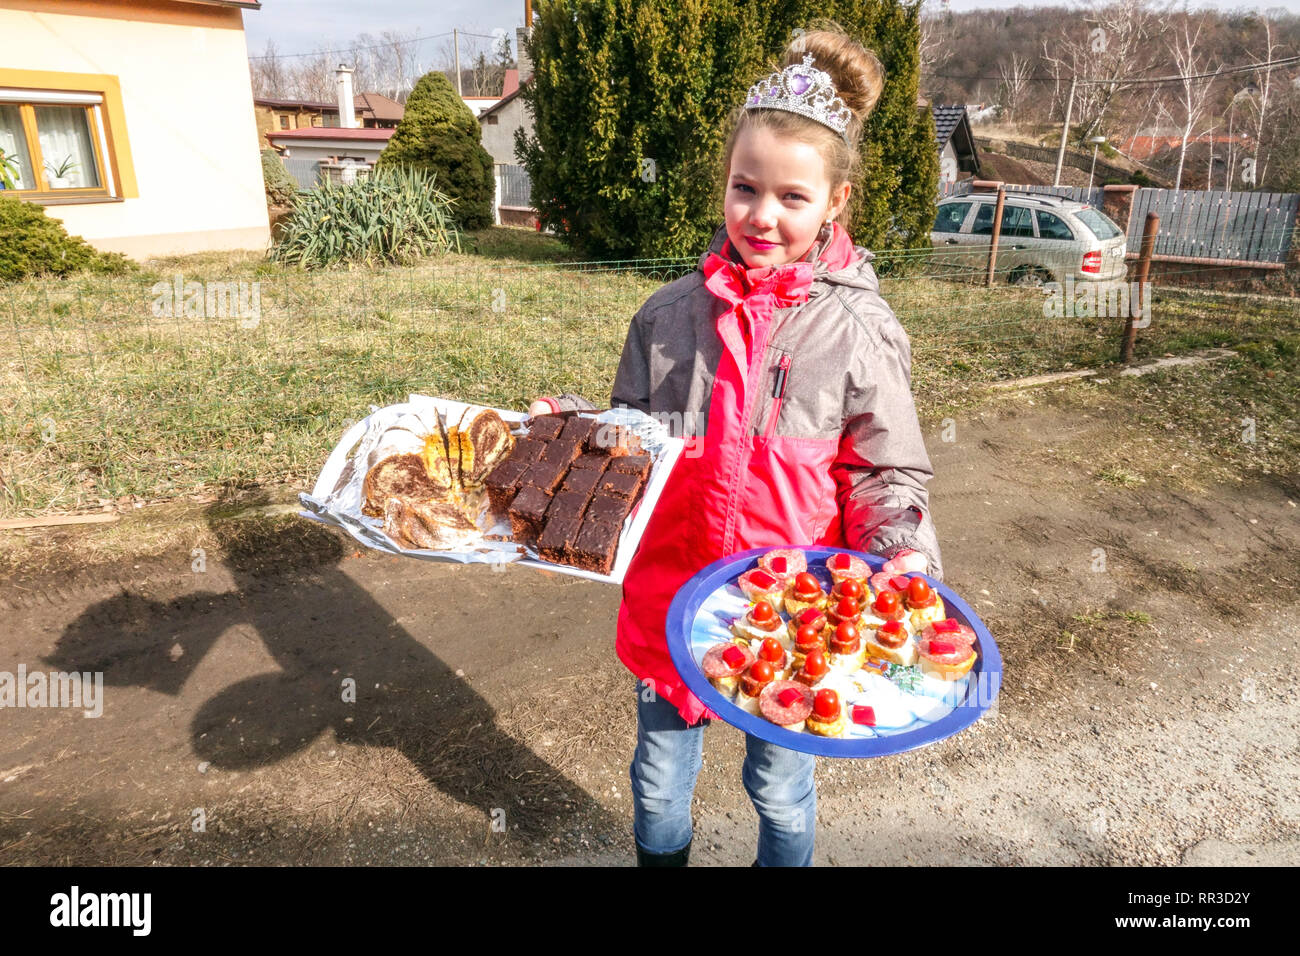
[646,858]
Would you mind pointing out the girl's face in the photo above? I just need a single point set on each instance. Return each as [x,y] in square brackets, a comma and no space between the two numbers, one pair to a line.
[778,197]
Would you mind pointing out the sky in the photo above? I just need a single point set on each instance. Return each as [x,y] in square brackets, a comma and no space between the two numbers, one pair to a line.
[301,26]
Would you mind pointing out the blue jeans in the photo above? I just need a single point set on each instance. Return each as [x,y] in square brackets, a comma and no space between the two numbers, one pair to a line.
[667,761]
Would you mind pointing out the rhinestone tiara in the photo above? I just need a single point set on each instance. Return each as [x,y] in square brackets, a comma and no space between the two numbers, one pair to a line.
[802,89]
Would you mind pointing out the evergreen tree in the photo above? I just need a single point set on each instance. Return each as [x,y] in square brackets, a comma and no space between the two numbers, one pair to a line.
[438,132]
[629,102]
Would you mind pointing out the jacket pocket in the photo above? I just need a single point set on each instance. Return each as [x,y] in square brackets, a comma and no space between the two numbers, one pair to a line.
[778,396]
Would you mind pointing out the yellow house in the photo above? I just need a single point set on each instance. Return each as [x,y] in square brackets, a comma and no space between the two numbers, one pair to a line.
[132,121]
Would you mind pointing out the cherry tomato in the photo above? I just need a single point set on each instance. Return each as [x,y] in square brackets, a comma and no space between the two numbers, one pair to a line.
[826,704]
[847,607]
[815,662]
[762,613]
[808,635]
[918,591]
[846,633]
[886,602]
[761,671]
[851,588]
[805,583]
[772,650]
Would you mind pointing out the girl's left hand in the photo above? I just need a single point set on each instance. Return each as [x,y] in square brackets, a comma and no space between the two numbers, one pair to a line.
[907,560]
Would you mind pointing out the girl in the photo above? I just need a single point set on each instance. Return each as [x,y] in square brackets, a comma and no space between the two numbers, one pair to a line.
[791,380]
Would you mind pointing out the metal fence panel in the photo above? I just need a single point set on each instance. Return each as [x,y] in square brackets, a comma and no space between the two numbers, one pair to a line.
[516,187]
[306,172]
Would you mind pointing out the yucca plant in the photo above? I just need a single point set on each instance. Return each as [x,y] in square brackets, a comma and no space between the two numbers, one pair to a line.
[392,215]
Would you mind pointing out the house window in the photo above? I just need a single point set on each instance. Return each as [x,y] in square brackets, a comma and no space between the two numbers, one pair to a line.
[284,121]
[53,144]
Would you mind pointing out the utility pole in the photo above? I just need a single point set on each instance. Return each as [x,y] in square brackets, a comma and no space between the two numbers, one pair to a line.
[455,42]
[1065,131]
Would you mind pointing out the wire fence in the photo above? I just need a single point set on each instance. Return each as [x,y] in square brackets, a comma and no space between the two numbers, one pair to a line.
[165,385]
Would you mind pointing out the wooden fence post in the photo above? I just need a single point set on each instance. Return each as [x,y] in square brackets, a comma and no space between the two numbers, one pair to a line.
[997,233]
[1144,270]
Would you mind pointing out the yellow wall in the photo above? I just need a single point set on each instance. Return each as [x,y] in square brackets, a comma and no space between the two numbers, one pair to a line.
[185,138]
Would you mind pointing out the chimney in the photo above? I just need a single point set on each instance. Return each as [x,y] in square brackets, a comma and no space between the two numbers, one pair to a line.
[347,111]
[521,55]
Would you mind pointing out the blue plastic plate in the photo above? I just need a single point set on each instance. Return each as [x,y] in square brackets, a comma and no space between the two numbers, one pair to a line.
[912,710]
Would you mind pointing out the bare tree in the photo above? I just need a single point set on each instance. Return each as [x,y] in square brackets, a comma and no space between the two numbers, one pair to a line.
[1112,46]
[1015,84]
[1193,86]
[268,74]
[1263,82]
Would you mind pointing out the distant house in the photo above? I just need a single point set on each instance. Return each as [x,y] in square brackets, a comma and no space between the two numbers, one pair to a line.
[958,156]
[372,111]
[499,123]
[338,151]
[131,121]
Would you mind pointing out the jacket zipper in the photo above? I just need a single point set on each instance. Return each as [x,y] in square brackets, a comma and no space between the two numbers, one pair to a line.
[778,393]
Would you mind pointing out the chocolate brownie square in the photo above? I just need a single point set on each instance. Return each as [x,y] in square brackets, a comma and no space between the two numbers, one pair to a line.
[583,480]
[562,449]
[594,547]
[527,449]
[557,537]
[545,427]
[578,429]
[544,474]
[621,483]
[591,460]
[632,464]
[502,483]
[565,503]
[527,512]
[609,509]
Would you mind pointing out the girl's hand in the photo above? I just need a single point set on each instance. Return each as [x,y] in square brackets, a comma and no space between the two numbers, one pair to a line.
[540,406]
[907,560]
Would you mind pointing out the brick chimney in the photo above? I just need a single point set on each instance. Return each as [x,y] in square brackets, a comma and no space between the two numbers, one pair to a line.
[347,110]
[521,55]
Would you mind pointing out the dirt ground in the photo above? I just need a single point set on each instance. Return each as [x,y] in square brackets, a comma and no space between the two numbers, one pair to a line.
[1147,716]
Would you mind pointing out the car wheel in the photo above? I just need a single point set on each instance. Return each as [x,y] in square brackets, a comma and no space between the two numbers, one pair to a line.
[1029,278]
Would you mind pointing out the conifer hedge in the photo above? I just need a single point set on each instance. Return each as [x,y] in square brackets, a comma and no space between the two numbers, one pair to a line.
[439,133]
[629,101]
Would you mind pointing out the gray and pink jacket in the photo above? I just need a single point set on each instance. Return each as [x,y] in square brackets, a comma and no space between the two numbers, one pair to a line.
[792,387]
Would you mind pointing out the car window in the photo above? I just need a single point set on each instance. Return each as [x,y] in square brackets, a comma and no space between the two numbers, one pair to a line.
[1099,223]
[951,217]
[1052,227]
[1016,222]
[983,224]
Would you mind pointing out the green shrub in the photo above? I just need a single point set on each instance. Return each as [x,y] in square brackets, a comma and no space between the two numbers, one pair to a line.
[439,133]
[281,188]
[393,215]
[32,244]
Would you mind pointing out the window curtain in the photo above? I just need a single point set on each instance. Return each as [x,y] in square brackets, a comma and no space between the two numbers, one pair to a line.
[64,135]
[14,145]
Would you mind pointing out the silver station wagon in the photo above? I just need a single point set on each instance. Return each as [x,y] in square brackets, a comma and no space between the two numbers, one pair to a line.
[1043,239]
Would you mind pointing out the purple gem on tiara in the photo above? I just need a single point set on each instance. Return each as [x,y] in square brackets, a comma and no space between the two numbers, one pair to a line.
[800,84]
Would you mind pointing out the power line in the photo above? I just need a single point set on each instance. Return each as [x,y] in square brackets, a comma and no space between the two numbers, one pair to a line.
[377,46]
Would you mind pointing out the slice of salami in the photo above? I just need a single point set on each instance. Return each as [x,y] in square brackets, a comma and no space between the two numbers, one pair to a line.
[758,583]
[857,569]
[880,582]
[785,715]
[715,665]
[794,563]
[961,651]
[961,634]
